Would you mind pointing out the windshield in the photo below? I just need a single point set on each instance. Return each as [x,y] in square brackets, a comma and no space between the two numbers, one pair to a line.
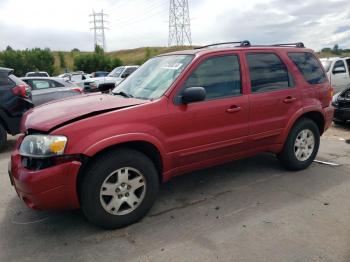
[154,77]
[326,65]
[116,72]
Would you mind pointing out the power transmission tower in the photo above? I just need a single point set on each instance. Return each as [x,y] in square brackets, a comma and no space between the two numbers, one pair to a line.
[99,26]
[179,23]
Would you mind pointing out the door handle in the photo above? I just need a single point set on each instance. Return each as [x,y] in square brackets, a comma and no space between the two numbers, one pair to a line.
[233,109]
[289,99]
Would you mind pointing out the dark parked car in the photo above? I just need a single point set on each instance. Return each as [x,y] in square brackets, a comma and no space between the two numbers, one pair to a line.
[341,103]
[46,89]
[178,112]
[14,101]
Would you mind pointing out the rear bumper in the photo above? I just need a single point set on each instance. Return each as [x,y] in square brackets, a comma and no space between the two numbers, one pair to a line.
[52,188]
[328,116]
[342,114]
[12,123]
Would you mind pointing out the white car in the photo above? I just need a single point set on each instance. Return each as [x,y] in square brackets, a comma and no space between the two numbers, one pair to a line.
[338,72]
[117,75]
[37,74]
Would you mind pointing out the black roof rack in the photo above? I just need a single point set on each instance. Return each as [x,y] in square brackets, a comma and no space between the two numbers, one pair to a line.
[241,43]
[298,44]
[246,43]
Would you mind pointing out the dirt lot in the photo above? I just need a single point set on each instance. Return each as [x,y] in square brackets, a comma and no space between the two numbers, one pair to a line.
[248,210]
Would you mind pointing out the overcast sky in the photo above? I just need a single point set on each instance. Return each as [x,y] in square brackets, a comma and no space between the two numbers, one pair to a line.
[64,24]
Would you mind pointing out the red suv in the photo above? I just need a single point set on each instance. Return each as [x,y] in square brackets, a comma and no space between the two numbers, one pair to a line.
[182,111]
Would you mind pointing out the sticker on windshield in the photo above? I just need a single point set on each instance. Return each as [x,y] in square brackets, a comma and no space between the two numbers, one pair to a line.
[175,66]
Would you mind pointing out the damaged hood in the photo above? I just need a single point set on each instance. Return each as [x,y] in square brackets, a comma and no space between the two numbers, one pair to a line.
[48,116]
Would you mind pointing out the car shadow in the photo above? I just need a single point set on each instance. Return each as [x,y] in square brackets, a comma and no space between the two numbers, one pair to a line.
[248,182]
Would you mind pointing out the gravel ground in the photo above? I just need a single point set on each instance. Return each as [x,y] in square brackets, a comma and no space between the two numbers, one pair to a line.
[248,210]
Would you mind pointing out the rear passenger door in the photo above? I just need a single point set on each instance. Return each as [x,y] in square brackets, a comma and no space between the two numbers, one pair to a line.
[273,97]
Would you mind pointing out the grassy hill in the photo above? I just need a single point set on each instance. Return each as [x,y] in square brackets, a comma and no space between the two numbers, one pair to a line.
[128,56]
[139,55]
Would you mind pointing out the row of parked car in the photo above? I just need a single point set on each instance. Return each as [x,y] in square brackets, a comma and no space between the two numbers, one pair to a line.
[17,95]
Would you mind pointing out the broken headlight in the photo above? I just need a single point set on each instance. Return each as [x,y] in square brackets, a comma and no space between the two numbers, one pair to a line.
[41,146]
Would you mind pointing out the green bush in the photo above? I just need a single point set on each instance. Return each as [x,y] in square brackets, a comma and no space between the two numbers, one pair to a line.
[36,59]
[62,60]
[95,62]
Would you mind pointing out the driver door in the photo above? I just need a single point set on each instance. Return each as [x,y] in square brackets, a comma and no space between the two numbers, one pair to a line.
[216,128]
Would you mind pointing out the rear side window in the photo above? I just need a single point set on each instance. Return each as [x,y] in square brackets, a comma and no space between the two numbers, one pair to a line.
[55,84]
[5,81]
[309,67]
[40,84]
[267,72]
[219,76]
[16,80]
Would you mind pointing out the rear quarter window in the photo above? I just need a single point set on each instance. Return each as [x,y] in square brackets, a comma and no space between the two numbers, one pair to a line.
[5,81]
[16,80]
[309,67]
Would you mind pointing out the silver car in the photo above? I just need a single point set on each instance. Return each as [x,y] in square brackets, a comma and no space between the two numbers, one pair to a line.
[46,89]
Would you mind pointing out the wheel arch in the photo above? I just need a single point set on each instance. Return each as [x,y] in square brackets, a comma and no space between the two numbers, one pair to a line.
[143,146]
[313,114]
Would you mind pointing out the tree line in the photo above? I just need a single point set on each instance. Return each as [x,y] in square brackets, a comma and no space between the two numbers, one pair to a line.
[37,59]
[336,50]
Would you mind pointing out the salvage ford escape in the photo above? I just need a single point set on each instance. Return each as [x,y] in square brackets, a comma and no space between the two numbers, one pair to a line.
[181,111]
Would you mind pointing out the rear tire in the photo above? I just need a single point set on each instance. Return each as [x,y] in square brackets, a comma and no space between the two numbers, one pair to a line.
[301,146]
[119,188]
[3,136]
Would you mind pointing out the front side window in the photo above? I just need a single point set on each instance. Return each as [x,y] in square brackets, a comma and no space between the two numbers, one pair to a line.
[267,72]
[153,78]
[339,64]
[220,77]
[308,67]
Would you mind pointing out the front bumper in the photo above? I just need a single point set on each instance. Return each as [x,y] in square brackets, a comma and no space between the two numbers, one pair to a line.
[342,114]
[52,188]
[328,116]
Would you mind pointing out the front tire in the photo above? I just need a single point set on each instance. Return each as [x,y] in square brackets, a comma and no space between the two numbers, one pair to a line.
[3,136]
[301,146]
[119,188]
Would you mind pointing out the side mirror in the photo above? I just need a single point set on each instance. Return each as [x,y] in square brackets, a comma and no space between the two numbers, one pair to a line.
[193,94]
[105,87]
[124,75]
[339,70]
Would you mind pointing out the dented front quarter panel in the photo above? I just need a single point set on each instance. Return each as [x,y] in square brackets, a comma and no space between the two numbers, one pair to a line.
[136,123]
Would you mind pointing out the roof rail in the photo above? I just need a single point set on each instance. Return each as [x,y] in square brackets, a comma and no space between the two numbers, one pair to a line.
[241,43]
[298,44]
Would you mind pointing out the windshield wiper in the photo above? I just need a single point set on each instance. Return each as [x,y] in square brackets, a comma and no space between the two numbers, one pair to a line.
[122,93]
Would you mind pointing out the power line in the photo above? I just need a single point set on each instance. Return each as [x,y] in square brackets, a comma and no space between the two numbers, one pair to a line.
[99,22]
[179,23]
[148,13]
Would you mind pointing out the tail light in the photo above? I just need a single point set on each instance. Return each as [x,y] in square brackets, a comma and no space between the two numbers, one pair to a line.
[20,90]
[78,89]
